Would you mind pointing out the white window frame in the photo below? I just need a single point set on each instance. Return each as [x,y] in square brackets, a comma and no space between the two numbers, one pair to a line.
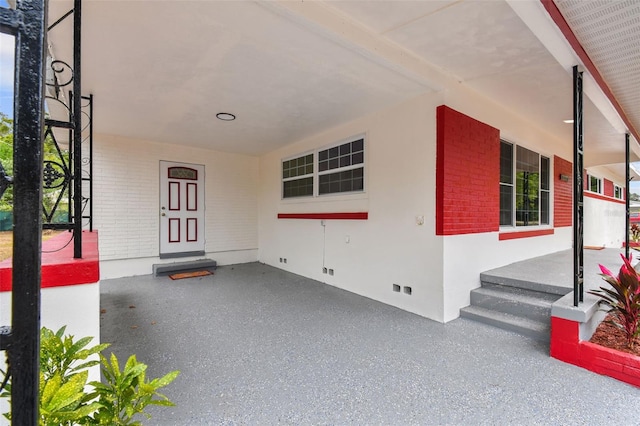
[599,184]
[619,190]
[317,173]
[549,191]
[305,176]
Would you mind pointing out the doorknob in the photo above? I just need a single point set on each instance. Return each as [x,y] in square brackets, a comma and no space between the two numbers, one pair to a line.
[163,214]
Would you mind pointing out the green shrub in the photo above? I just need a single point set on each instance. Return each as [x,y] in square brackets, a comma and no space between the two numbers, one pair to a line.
[64,399]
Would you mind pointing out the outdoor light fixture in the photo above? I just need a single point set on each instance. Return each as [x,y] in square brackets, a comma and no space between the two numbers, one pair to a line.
[564,178]
[568,121]
[225,116]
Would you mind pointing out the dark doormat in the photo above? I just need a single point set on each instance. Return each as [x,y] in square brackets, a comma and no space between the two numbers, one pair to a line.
[194,274]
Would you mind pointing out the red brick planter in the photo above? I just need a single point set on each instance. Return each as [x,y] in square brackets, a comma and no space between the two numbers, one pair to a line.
[567,346]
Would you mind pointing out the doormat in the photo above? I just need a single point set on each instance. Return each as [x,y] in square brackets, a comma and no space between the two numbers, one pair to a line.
[183,275]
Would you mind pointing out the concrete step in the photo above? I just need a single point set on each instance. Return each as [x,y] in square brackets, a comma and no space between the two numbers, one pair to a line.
[188,266]
[490,278]
[524,326]
[533,305]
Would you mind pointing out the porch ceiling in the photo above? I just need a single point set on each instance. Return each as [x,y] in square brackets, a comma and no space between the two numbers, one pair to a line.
[161,70]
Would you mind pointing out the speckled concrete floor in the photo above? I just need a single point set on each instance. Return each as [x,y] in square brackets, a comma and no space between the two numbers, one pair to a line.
[256,345]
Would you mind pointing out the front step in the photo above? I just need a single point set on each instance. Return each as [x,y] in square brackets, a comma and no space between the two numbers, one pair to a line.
[524,326]
[189,266]
[533,305]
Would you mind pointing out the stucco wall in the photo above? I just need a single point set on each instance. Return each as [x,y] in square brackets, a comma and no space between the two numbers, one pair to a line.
[126,208]
[388,248]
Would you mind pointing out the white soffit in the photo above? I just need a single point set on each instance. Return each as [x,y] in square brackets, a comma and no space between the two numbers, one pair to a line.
[537,19]
[609,32]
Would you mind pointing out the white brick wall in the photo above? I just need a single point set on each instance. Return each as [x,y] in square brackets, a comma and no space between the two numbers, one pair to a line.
[126,197]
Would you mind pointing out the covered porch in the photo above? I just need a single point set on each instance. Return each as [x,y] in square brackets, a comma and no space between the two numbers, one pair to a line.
[258,345]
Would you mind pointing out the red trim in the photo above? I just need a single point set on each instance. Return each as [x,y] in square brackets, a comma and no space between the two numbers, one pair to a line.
[566,30]
[524,234]
[602,197]
[195,195]
[567,346]
[332,216]
[171,192]
[188,228]
[59,268]
[171,220]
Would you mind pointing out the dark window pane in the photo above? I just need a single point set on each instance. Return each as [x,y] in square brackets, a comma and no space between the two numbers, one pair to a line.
[346,186]
[544,207]
[300,171]
[357,145]
[323,155]
[544,172]
[334,152]
[506,162]
[506,205]
[285,174]
[324,165]
[334,187]
[358,184]
[358,172]
[324,188]
[345,149]
[298,188]
[345,161]
[309,159]
[357,158]
[333,163]
[309,169]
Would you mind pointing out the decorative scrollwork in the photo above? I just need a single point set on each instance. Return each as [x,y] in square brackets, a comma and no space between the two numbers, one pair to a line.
[61,76]
[54,175]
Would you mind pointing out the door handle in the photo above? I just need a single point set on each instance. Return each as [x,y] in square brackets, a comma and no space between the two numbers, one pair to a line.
[163,214]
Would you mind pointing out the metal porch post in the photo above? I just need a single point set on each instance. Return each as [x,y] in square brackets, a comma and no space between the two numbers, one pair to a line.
[77,132]
[626,198]
[27,24]
[578,188]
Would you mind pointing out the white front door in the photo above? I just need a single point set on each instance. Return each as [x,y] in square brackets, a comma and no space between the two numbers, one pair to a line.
[181,209]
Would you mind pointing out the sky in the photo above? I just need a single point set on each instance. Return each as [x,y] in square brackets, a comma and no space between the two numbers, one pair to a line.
[6,72]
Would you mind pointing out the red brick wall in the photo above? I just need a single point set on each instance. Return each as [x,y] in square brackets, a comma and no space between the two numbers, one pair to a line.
[467,174]
[608,187]
[562,192]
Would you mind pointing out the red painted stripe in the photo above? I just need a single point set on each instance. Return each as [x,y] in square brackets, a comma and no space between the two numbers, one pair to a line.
[602,197]
[566,30]
[524,234]
[59,268]
[332,216]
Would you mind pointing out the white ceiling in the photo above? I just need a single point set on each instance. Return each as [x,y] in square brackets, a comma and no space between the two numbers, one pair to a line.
[161,70]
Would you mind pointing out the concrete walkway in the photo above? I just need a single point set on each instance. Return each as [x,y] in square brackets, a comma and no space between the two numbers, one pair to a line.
[257,345]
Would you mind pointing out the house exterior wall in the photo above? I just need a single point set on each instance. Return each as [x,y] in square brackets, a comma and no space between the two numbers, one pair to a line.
[401,184]
[604,215]
[390,247]
[126,207]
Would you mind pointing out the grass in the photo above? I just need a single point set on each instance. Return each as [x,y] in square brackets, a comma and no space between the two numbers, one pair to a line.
[6,242]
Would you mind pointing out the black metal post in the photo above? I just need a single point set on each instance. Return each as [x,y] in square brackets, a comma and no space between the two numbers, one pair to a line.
[578,188]
[77,132]
[91,163]
[24,347]
[626,198]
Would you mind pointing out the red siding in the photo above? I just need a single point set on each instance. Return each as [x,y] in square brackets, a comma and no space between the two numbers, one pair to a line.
[562,193]
[608,188]
[467,175]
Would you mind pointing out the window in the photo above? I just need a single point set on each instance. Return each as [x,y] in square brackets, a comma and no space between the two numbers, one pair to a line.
[297,177]
[617,192]
[338,169]
[524,187]
[341,168]
[595,184]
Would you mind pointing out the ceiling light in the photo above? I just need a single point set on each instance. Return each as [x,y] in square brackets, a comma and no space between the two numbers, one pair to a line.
[568,121]
[225,116]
